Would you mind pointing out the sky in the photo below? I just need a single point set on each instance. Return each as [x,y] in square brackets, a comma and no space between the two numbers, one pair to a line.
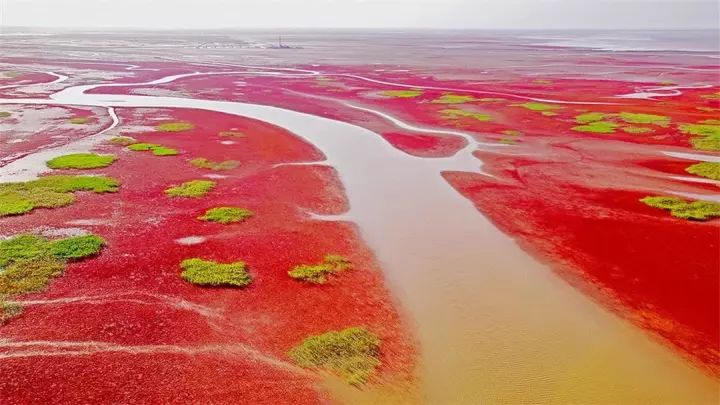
[453,14]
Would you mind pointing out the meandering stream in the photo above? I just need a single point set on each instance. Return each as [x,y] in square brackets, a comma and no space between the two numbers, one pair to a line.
[494,324]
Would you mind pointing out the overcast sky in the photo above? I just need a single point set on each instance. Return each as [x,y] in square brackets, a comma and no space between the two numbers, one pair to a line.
[240,14]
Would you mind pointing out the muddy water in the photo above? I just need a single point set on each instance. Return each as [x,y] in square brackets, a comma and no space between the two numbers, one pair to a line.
[494,325]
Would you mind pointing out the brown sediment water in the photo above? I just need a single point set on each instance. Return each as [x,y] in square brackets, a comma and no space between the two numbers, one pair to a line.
[494,325]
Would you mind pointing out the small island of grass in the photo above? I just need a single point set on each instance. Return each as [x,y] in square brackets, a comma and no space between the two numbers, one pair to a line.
[212,274]
[191,189]
[352,353]
[226,215]
[81,161]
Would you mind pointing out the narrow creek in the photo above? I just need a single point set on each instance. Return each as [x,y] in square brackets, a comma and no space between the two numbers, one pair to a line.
[494,325]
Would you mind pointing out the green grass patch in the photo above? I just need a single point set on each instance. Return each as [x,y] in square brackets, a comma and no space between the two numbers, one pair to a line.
[705,136]
[598,127]
[77,247]
[711,170]
[450,98]
[204,163]
[402,93]
[81,161]
[5,114]
[79,120]
[352,353]
[191,189]
[174,127]
[123,140]
[635,118]
[29,262]
[207,273]
[589,117]
[457,113]
[156,149]
[49,192]
[226,215]
[9,310]
[535,106]
[234,134]
[318,273]
[679,208]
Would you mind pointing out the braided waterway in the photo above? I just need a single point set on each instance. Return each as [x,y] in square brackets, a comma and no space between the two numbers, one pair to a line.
[494,325]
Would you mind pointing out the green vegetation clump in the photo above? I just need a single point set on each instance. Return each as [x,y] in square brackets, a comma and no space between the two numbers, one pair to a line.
[5,114]
[81,161]
[208,273]
[352,353]
[123,140]
[156,149]
[226,215]
[679,208]
[598,127]
[707,136]
[9,310]
[79,120]
[449,98]
[711,170]
[191,189]
[235,134]
[402,93]
[77,247]
[535,106]
[29,262]
[49,192]
[204,163]
[587,118]
[637,130]
[174,127]
[318,273]
[456,113]
[635,118]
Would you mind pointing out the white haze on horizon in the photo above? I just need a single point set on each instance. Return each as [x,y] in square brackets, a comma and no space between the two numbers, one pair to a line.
[449,14]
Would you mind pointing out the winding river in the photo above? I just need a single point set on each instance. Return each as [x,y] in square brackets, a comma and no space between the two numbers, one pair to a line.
[494,325]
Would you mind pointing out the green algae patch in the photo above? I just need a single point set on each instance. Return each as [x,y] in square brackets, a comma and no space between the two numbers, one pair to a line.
[123,140]
[636,118]
[587,118]
[5,114]
[233,134]
[49,192]
[204,163]
[29,262]
[457,113]
[79,120]
[450,98]
[413,93]
[81,161]
[174,127]
[156,149]
[679,208]
[226,215]
[318,273]
[710,170]
[212,274]
[597,127]
[191,189]
[637,130]
[352,353]
[9,310]
[540,107]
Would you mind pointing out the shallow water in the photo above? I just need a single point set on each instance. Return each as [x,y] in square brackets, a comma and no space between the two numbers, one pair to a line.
[494,325]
